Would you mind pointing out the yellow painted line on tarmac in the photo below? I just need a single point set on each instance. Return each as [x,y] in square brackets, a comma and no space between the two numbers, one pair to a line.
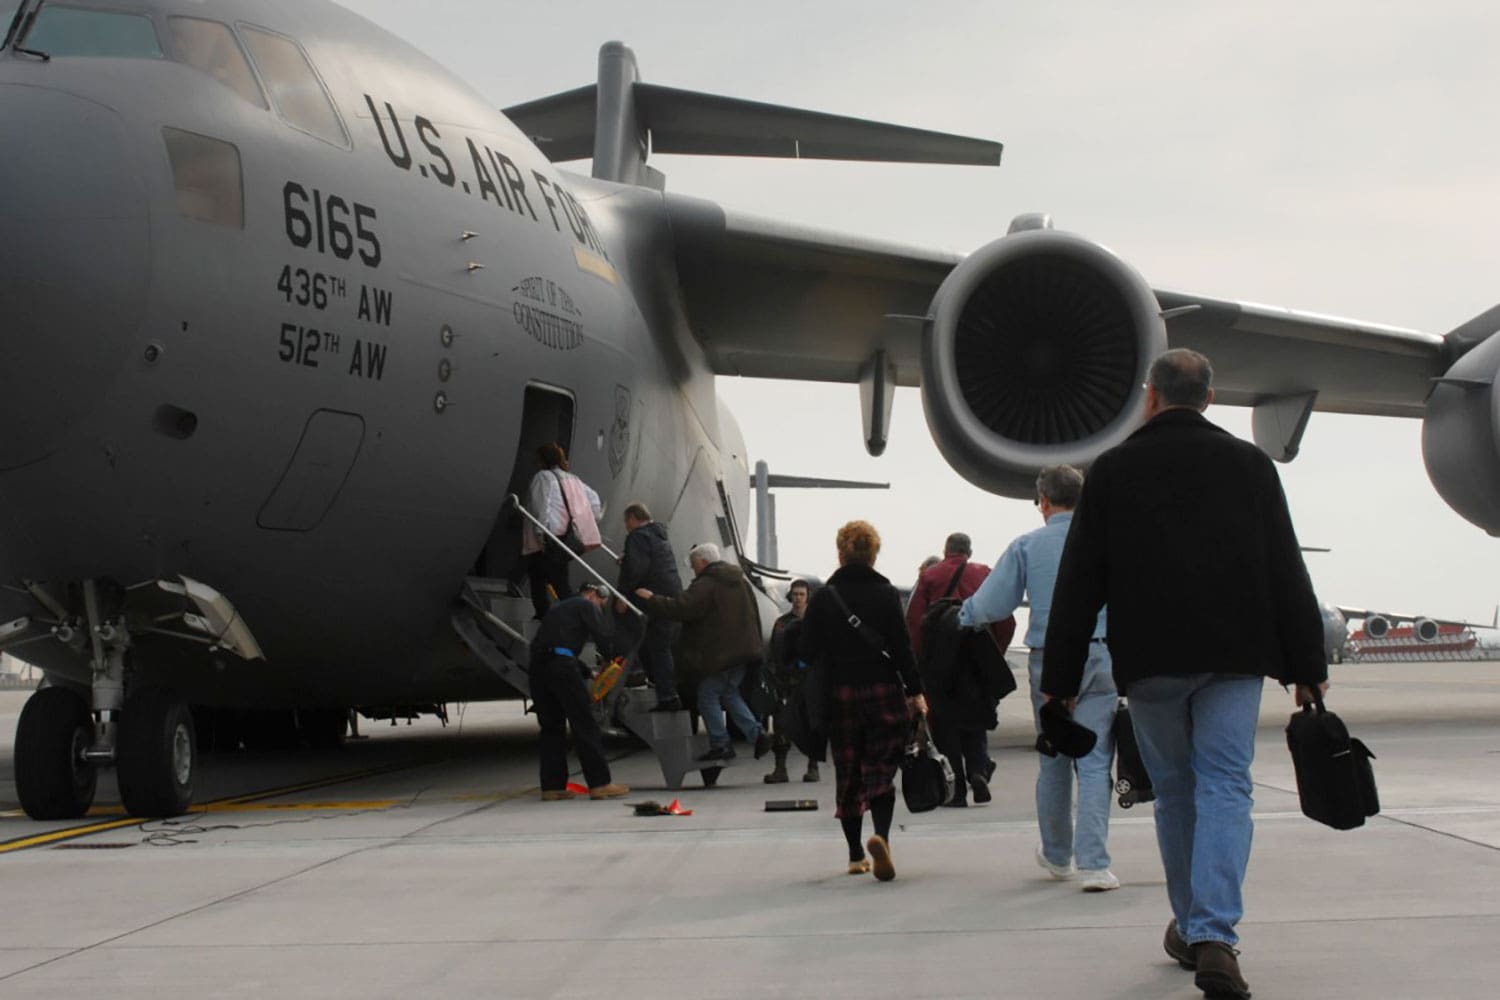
[60,835]
[234,803]
[228,807]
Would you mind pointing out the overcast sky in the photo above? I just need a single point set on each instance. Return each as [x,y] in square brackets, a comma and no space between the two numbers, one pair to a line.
[1338,157]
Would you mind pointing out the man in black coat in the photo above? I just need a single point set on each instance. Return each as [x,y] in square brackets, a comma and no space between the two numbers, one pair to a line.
[648,563]
[561,694]
[1183,530]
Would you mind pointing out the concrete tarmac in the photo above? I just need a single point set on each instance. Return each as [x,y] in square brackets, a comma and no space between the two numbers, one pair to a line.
[420,862]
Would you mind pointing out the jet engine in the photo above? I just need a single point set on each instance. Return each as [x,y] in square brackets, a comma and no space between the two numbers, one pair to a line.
[1034,353]
[1461,436]
[1425,629]
[1377,626]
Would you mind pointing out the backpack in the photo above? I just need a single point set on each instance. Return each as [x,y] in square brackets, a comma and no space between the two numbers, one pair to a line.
[960,663]
[932,618]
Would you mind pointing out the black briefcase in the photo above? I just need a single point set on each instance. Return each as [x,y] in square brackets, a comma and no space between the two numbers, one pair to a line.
[1335,782]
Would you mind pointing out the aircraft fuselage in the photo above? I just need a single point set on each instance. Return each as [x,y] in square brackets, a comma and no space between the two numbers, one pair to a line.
[284,347]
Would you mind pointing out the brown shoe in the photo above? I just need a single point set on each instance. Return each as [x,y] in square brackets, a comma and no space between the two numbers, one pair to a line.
[1219,972]
[860,867]
[1177,948]
[556,794]
[613,790]
[880,858]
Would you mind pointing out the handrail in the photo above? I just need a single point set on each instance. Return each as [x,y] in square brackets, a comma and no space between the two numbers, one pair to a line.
[516,502]
[491,617]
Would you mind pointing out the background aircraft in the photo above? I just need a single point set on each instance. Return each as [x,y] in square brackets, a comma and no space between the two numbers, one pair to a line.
[317,494]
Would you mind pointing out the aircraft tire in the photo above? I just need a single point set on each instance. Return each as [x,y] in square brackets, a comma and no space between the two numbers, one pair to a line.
[52,779]
[157,755]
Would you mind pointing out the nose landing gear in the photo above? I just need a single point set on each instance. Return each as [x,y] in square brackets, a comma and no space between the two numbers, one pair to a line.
[63,737]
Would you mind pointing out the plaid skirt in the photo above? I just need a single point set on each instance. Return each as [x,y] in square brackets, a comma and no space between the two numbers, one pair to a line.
[867,732]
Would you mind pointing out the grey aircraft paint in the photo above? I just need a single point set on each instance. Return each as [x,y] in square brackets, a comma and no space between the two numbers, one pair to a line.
[276,290]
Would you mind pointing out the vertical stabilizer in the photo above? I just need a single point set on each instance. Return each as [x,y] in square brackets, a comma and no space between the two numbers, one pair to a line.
[619,138]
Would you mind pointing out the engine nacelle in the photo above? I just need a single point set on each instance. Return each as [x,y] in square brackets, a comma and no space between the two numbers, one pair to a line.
[1425,629]
[1034,353]
[1377,626]
[1461,436]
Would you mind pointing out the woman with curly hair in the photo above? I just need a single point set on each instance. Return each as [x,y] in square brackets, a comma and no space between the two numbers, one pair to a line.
[873,689]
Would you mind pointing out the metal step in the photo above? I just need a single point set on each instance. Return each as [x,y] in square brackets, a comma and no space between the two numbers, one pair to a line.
[500,652]
[670,736]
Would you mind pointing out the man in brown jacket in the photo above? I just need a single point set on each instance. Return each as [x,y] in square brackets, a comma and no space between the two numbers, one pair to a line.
[720,637]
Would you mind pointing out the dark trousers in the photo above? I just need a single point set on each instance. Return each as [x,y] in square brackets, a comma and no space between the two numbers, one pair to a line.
[562,699]
[967,750]
[549,566]
[656,657]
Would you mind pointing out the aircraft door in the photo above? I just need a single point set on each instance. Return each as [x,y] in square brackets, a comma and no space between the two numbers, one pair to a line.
[546,415]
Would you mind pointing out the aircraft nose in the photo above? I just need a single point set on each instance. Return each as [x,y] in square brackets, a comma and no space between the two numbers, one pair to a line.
[74,264]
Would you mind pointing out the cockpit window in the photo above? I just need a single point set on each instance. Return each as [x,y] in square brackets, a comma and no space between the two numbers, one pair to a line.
[210,46]
[295,88]
[79,31]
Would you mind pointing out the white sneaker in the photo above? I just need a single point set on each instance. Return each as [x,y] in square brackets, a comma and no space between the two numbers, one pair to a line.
[1060,872]
[1098,880]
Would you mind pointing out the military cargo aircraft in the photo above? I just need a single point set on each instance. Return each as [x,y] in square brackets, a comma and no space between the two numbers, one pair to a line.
[287,308]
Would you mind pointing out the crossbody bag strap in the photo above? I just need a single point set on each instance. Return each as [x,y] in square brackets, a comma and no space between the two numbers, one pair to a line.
[953,583]
[869,635]
[566,506]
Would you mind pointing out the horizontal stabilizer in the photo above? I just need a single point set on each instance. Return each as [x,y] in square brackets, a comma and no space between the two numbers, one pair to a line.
[816,483]
[562,126]
[693,123]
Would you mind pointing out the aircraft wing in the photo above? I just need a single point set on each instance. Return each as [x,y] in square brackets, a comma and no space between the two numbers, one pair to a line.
[770,299]
[1352,614]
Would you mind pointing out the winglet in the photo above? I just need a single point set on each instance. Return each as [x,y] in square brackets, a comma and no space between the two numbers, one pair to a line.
[620,120]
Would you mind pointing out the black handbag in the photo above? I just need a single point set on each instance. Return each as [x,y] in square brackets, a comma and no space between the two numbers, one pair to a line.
[926,776]
[1335,782]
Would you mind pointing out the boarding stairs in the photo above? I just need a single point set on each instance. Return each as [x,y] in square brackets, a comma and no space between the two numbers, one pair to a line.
[495,622]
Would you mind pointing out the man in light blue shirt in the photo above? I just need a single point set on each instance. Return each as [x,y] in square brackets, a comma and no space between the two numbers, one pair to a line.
[1028,569]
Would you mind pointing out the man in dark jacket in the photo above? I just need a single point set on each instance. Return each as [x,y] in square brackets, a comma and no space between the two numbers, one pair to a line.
[958,721]
[786,670]
[1183,530]
[561,696]
[648,563]
[720,636]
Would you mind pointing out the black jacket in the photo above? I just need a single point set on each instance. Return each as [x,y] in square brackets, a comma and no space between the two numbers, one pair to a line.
[721,621]
[848,659]
[570,624]
[1183,531]
[648,562]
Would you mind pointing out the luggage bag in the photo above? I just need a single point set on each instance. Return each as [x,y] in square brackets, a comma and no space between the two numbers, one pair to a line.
[1335,782]
[1132,783]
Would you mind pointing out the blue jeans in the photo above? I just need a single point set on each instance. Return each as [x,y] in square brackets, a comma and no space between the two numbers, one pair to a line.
[1197,737]
[718,692]
[1087,844]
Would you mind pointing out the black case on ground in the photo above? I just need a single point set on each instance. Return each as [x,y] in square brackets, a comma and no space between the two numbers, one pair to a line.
[1335,782]
[1132,783]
